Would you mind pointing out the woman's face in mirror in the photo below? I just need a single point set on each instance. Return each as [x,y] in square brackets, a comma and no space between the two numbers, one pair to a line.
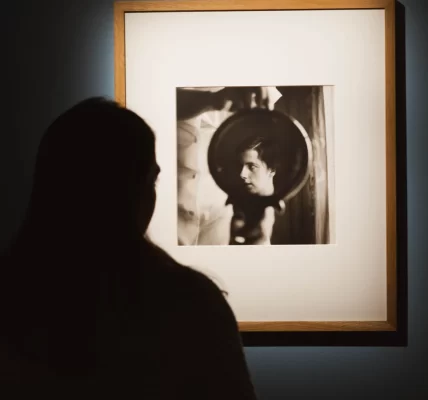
[258,155]
[256,175]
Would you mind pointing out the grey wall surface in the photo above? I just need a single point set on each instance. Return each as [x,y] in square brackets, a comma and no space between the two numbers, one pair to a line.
[55,53]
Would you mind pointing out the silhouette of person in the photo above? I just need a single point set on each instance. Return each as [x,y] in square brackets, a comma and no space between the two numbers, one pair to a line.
[86,296]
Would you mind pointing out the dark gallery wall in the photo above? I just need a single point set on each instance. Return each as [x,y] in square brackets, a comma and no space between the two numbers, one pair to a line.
[55,53]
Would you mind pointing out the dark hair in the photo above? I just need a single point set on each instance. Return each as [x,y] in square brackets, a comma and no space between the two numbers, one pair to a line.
[95,157]
[81,237]
[266,148]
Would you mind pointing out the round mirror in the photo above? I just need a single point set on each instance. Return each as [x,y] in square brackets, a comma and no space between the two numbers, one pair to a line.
[260,154]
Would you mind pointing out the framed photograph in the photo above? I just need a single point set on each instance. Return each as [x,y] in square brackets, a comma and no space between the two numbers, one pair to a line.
[276,138]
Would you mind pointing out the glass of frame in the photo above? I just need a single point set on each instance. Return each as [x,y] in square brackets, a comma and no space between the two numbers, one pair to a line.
[330,273]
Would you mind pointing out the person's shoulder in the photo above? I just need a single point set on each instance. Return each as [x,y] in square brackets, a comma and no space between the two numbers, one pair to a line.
[184,290]
[192,289]
[173,274]
[209,340]
[206,302]
[195,283]
[195,276]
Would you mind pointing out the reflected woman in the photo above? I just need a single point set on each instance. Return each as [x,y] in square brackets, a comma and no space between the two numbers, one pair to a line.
[259,160]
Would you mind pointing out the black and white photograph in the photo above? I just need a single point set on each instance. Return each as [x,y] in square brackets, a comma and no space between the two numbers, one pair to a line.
[255,165]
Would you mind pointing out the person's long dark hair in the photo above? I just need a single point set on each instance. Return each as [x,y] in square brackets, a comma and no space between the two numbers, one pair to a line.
[81,249]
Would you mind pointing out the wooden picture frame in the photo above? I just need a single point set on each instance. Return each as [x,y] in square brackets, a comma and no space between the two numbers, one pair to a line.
[381,332]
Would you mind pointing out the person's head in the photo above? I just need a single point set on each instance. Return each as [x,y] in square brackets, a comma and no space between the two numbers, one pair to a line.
[96,170]
[259,162]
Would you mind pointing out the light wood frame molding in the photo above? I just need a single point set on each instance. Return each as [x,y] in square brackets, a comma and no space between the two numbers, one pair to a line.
[390,324]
